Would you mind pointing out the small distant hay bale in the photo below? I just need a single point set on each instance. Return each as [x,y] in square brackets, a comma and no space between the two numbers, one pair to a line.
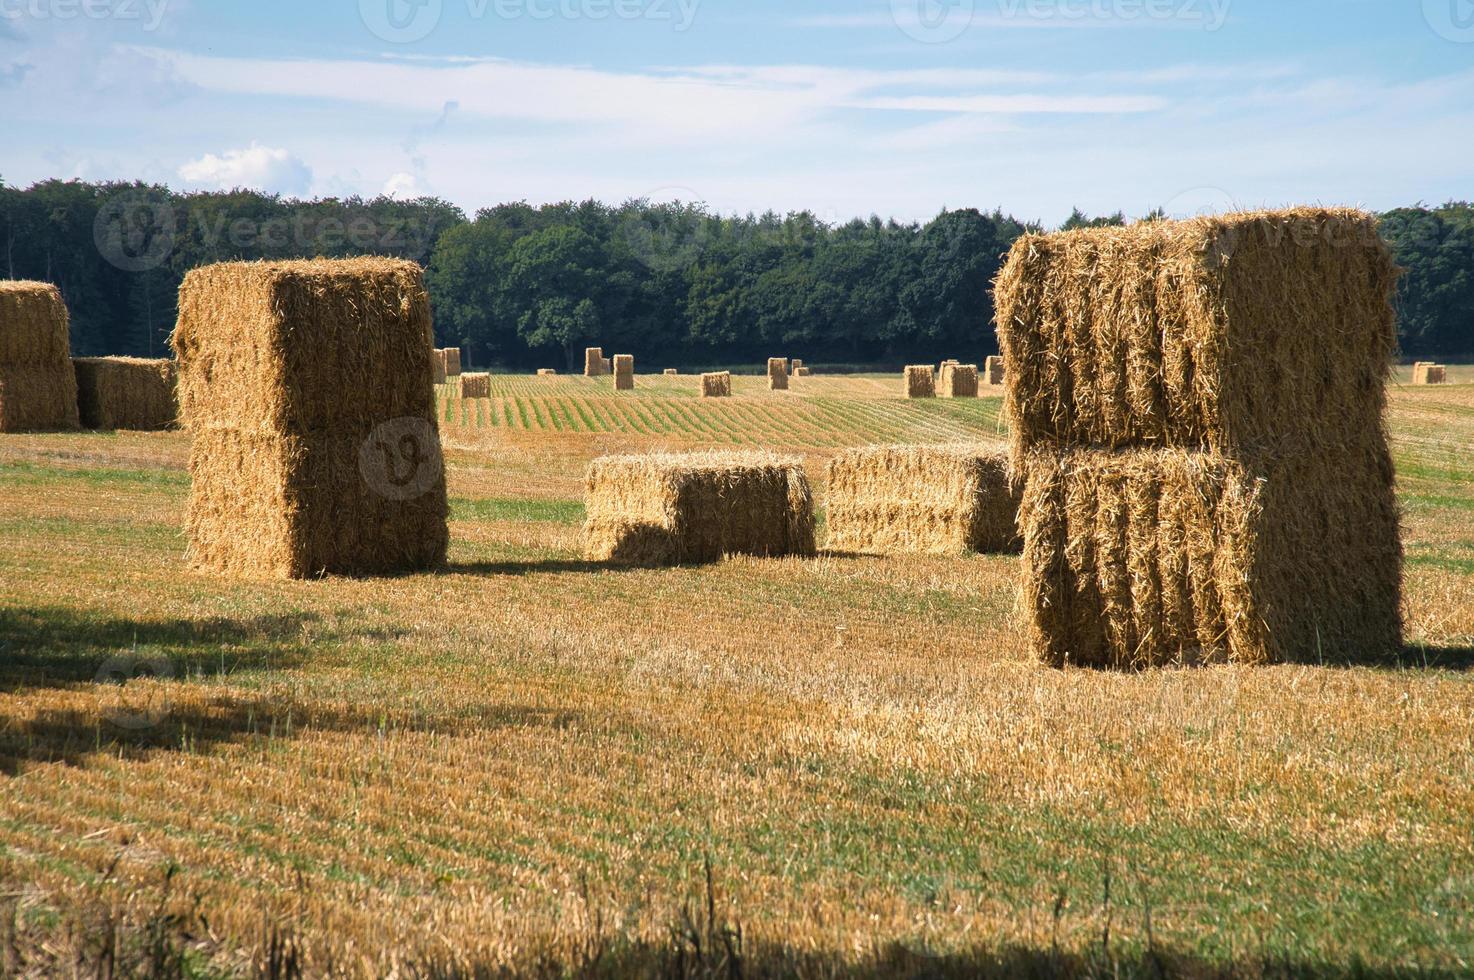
[921,381]
[958,381]
[1158,557]
[306,389]
[671,372]
[547,372]
[802,372]
[659,509]
[594,365]
[1428,373]
[38,386]
[437,367]
[777,374]
[994,370]
[452,362]
[624,372]
[717,384]
[476,386]
[923,500]
[126,393]
[796,366]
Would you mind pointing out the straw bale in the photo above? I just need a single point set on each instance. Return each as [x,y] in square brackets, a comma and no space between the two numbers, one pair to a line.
[452,362]
[38,387]
[920,381]
[126,393]
[802,372]
[796,366]
[437,367]
[994,370]
[475,386]
[958,381]
[777,374]
[1245,332]
[1154,557]
[680,509]
[624,372]
[671,372]
[306,388]
[1428,373]
[594,365]
[922,500]
[717,384]
[547,372]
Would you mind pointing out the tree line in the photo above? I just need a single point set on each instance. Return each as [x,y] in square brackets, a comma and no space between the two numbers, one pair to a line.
[674,284]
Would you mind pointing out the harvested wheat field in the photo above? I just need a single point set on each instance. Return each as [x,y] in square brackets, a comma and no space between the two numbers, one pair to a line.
[836,766]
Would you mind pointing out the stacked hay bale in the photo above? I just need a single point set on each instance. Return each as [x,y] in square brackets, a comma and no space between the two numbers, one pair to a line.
[994,370]
[306,388]
[679,509]
[624,372]
[126,393]
[958,381]
[38,387]
[1428,373]
[1207,474]
[777,374]
[796,367]
[921,381]
[476,386]
[594,365]
[717,384]
[922,500]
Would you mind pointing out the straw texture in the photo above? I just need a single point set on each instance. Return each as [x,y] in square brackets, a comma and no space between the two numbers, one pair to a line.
[126,393]
[38,386]
[958,381]
[920,381]
[717,384]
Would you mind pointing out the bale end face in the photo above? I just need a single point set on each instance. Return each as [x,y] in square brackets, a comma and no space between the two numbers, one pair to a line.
[624,372]
[672,373]
[475,385]
[995,372]
[923,500]
[306,387]
[593,363]
[717,384]
[38,387]
[777,374]
[920,381]
[681,509]
[958,381]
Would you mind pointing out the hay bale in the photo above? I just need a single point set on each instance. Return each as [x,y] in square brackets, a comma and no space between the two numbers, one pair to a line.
[717,384]
[679,509]
[624,372]
[476,386]
[994,370]
[802,372]
[594,363]
[1202,441]
[452,362]
[958,381]
[1251,330]
[306,388]
[547,373]
[1428,373]
[437,367]
[1155,557]
[920,381]
[671,372]
[126,393]
[777,374]
[38,386]
[922,500]
[796,366]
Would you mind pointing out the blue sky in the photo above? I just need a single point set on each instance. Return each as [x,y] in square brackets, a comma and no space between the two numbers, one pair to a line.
[889,107]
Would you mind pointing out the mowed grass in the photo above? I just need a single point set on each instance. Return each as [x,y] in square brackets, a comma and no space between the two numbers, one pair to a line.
[532,761]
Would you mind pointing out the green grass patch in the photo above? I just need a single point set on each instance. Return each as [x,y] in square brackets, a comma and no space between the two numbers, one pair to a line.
[518,509]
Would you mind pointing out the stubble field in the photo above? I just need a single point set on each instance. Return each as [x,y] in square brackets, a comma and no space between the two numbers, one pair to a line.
[843,766]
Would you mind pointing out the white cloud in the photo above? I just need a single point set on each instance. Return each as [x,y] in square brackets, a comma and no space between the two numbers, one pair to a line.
[260,168]
[403,186]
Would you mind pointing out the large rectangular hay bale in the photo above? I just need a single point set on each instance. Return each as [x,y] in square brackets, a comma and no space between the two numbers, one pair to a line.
[306,389]
[679,509]
[38,386]
[777,374]
[1157,557]
[624,372]
[716,384]
[922,500]
[1428,373]
[920,381]
[594,363]
[1234,333]
[994,370]
[475,386]
[958,381]
[126,393]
